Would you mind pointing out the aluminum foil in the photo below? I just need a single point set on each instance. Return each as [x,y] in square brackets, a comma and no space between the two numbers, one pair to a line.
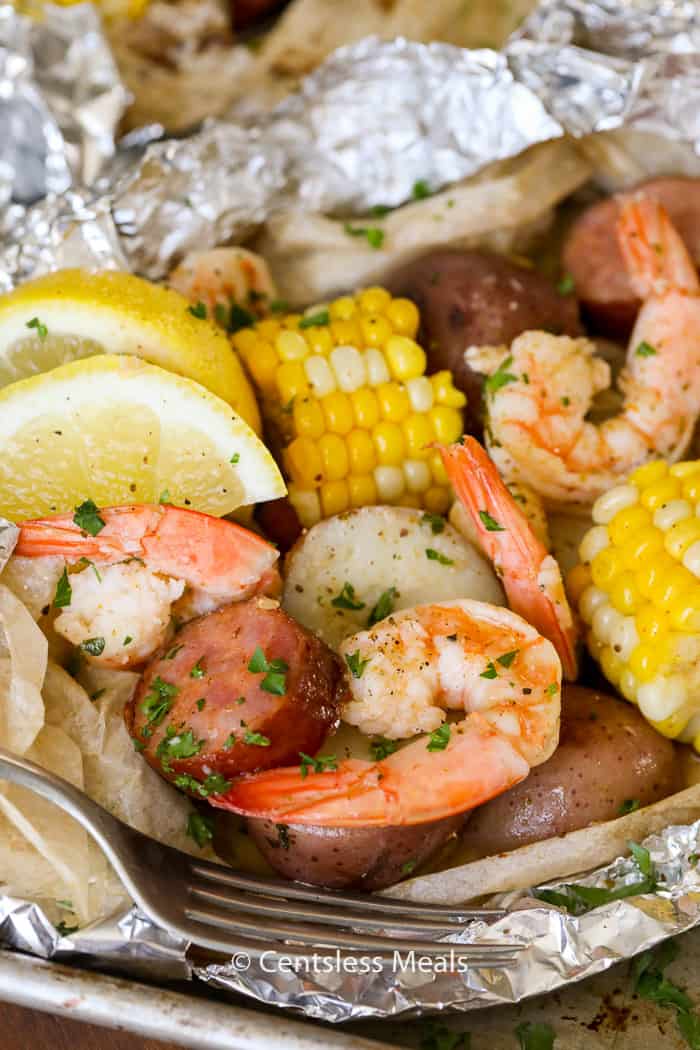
[373,120]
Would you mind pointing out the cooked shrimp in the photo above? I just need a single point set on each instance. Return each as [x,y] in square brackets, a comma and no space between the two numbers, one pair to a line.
[530,575]
[537,426]
[461,655]
[224,276]
[143,566]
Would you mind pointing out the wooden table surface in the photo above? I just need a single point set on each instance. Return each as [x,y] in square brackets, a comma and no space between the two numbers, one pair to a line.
[22,1029]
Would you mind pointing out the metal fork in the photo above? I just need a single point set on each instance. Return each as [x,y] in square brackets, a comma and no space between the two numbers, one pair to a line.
[218,908]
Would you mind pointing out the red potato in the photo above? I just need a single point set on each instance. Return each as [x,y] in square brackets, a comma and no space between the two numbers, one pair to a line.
[608,755]
[475,298]
[592,256]
[357,858]
[224,718]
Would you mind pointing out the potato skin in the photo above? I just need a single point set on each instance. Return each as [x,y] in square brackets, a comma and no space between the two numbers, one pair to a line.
[592,255]
[607,754]
[475,299]
[343,858]
[222,644]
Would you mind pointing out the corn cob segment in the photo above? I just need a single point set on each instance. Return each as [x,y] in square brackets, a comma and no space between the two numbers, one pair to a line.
[637,589]
[348,405]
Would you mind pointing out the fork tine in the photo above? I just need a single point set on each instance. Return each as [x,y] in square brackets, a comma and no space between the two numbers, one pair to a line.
[385,906]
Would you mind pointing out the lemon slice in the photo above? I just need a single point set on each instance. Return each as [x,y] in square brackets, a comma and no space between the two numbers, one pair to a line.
[72,314]
[118,430]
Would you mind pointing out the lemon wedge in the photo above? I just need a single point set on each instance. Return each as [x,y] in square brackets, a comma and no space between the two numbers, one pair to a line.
[72,314]
[118,430]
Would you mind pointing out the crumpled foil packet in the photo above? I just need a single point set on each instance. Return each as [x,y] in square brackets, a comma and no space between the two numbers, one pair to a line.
[371,122]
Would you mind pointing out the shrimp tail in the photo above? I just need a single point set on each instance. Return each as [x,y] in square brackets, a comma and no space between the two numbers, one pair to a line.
[655,255]
[530,575]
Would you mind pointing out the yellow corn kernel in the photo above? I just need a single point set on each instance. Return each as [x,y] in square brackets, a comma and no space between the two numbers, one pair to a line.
[668,589]
[319,339]
[611,664]
[447,423]
[346,333]
[643,544]
[649,473]
[437,499]
[445,391]
[320,375]
[303,463]
[672,726]
[306,503]
[376,330]
[374,300]
[681,535]
[405,357]
[291,346]
[690,488]
[308,418]
[437,469]
[291,381]
[342,309]
[685,469]
[651,572]
[389,444]
[349,367]
[245,339]
[409,499]
[361,452]
[660,492]
[417,475]
[624,594]
[606,565]
[377,368]
[645,661]
[418,432]
[390,483]
[628,685]
[404,317]
[577,580]
[337,409]
[268,329]
[335,498]
[684,612]
[262,363]
[362,489]
[334,457]
[394,404]
[365,408]
[291,321]
[652,624]
[420,393]
[626,522]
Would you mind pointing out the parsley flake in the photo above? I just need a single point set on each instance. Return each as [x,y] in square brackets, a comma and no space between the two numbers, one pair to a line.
[436,522]
[172,653]
[229,741]
[441,559]
[439,738]
[630,805]
[356,664]
[421,190]
[373,235]
[41,329]
[198,671]
[490,671]
[381,748]
[235,458]
[200,828]
[87,517]
[93,646]
[384,606]
[198,310]
[323,764]
[501,377]
[489,523]
[317,320]
[256,739]
[347,599]
[164,497]
[201,702]
[158,700]
[535,1035]
[566,285]
[275,672]
[64,592]
[551,689]
[645,350]
[507,659]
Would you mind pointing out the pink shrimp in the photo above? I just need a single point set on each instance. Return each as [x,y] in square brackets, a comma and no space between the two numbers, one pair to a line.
[140,565]
[530,575]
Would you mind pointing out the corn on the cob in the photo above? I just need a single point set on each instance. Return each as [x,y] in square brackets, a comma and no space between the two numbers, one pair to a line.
[349,407]
[638,591]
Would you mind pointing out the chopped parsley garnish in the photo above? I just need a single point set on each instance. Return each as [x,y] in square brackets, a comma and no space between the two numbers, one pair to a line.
[490,671]
[580,899]
[535,1035]
[356,664]
[200,828]
[87,564]
[158,700]
[645,350]
[437,1035]
[380,211]
[566,401]
[421,190]
[41,329]
[87,517]
[381,748]
[201,702]
[436,522]
[384,606]
[63,930]
[64,592]
[256,739]
[214,784]
[66,905]
[275,672]
[433,555]
[439,738]
[128,640]
[489,523]
[93,646]
[507,659]
[198,310]
[279,306]
[177,744]
[651,984]
[407,867]
[198,671]
[551,689]
[323,764]
[373,235]
[630,805]
[229,741]
[138,744]
[172,653]
[346,599]
[164,497]
[316,320]
[566,285]
[235,458]
[501,377]
[239,318]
